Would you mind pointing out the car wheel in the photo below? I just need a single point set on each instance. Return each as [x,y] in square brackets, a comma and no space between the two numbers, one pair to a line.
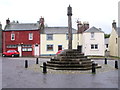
[13,55]
[3,55]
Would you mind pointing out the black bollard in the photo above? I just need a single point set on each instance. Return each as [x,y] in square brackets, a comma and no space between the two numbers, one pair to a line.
[105,60]
[93,68]
[26,64]
[116,64]
[44,67]
[36,60]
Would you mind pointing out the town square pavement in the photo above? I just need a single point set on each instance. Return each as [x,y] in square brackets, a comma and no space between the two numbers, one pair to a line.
[14,75]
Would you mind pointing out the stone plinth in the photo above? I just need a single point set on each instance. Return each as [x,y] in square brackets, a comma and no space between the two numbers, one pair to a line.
[71,60]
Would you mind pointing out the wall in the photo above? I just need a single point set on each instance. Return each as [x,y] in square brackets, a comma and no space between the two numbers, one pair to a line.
[113,46]
[58,39]
[98,39]
[20,37]
[0,41]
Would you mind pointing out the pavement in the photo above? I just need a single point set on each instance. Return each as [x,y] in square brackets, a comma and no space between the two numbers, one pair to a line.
[14,75]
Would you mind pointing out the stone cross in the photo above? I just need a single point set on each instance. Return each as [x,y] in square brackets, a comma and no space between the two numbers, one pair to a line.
[69,13]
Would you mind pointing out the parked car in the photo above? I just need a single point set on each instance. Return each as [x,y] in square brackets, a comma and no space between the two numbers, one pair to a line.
[12,53]
[60,51]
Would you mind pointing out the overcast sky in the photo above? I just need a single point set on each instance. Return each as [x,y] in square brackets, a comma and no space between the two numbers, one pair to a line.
[99,13]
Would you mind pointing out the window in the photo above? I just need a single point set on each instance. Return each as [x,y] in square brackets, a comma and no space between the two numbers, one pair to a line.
[106,45]
[12,36]
[49,47]
[116,40]
[92,35]
[67,37]
[26,49]
[30,36]
[94,46]
[49,36]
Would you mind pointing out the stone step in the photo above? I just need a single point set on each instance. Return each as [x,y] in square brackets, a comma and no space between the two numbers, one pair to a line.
[69,62]
[70,57]
[72,54]
[81,59]
[69,65]
[73,68]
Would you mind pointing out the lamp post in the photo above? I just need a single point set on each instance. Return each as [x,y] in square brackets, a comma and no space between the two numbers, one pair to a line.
[69,13]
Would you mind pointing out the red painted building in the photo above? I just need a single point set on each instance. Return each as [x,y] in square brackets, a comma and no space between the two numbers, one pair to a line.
[24,37]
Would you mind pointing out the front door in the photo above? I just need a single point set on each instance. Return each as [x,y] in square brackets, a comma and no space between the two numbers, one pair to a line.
[79,48]
[59,47]
[36,50]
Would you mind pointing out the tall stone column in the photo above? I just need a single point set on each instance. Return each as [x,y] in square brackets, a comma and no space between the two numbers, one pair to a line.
[69,13]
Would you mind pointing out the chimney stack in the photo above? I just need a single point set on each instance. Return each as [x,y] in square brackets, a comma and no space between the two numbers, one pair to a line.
[114,24]
[41,22]
[7,21]
[86,25]
[79,24]
[0,26]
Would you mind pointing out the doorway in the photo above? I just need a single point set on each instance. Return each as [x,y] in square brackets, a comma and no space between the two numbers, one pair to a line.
[79,48]
[59,47]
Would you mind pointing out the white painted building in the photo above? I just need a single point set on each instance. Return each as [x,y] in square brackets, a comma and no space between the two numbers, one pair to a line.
[93,42]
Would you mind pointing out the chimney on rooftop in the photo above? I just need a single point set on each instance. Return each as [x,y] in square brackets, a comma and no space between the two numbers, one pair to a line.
[0,26]
[86,25]
[7,21]
[114,24]
[41,22]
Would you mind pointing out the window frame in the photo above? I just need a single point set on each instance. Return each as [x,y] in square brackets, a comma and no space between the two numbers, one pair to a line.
[92,35]
[94,46]
[12,36]
[48,47]
[49,37]
[30,36]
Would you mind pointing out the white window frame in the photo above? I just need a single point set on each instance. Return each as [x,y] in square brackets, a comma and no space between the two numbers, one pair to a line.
[30,36]
[12,36]
[94,46]
[92,35]
[49,36]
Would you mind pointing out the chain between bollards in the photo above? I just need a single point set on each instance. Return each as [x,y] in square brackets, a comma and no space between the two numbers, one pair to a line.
[44,67]
[26,63]
[93,68]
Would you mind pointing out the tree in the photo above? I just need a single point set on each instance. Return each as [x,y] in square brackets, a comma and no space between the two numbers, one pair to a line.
[107,35]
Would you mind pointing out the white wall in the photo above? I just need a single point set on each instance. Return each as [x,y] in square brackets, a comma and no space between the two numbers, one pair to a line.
[98,39]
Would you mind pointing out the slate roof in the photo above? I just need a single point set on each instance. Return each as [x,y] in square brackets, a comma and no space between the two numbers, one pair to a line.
[93,29]
[58,30]
[22,26]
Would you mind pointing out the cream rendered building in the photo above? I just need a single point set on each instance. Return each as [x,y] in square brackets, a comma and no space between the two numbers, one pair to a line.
[54,39]
[113,40]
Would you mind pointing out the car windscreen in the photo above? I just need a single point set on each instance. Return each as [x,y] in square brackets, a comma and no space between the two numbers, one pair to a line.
[11,51]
